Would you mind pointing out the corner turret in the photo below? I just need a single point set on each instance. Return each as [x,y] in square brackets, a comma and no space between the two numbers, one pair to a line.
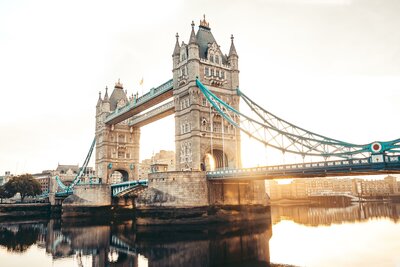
[105,107]
[233,60]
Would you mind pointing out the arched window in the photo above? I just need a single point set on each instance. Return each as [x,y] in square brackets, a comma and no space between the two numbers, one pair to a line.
[217,59]
[212,58]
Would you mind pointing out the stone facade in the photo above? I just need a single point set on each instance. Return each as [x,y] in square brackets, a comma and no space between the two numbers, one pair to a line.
[181,189]
[201,133]
[175,189]
[117,146]
[89,196]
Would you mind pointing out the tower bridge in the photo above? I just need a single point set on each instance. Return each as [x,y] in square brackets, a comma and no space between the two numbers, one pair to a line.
[204,97]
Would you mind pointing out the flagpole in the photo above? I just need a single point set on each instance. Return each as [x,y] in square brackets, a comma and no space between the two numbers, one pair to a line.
[141,84]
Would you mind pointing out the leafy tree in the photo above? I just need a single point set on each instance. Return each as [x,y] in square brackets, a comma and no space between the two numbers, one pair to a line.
[4,193]
[23,184]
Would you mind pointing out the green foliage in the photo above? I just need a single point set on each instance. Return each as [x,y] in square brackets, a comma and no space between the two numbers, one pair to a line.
[4,193]
[24,184]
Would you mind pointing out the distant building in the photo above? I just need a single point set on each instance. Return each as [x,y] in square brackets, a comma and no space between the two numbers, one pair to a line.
[158,167]
[160,162]
[44,179]
[67,173]
[4,179]
[301,188]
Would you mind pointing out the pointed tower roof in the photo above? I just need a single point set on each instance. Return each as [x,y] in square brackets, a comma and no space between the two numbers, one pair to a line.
[204,38]
[193,39]
[232,50]
[106,96]
[100,100]
[117,95]
[177,47]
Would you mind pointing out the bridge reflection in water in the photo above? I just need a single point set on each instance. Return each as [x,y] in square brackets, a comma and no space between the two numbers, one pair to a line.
[125,244]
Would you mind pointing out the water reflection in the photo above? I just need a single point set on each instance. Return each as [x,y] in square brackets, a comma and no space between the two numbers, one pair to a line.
[328,215]
[125,244]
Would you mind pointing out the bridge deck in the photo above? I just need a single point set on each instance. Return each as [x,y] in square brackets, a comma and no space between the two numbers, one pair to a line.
[153,115]
[148,100]
[351,167]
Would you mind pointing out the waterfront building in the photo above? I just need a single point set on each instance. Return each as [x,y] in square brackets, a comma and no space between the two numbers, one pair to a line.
[301,188]
[44,179]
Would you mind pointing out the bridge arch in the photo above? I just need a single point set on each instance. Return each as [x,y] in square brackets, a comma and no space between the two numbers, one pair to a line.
[215,159]
[118,175]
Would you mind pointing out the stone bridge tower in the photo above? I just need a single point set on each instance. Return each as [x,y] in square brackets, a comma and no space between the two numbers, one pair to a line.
[203,139]
[117,146]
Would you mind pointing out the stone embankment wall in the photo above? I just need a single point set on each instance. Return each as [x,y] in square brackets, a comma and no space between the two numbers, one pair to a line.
[181,189]
[89,196]
[237,193]
[175,189]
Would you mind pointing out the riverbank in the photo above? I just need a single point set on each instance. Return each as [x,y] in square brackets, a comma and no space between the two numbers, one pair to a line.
[143,216]
[28,210]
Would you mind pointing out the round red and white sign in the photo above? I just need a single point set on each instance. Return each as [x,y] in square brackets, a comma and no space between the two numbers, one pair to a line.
[376,147]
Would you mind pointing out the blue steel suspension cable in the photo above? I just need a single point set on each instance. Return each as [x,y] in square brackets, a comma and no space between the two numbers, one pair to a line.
[339,148]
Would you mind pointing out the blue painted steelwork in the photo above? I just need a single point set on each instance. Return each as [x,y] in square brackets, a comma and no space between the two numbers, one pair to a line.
[123,188]
[68,189]
[371,165]
[154,92]
[275,132]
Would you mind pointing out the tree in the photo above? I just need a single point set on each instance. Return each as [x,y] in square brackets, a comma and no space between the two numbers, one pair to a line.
[23,184]
[4,193]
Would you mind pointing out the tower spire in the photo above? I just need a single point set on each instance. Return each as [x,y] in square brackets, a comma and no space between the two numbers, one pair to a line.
[177,47]
[232,50]
[106,95]
[192,39]
[99,101]
[204,23]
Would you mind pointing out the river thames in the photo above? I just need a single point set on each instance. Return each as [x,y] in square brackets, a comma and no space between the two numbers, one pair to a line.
[358,235]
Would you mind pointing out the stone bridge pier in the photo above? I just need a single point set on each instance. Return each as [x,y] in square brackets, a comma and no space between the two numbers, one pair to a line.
[185,197]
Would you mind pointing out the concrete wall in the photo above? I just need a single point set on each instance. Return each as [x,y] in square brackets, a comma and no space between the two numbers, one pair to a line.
[175,189]
[90,196]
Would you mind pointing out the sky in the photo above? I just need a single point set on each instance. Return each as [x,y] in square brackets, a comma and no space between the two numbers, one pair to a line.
[329,66]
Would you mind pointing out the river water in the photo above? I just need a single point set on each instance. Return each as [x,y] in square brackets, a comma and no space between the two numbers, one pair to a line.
[358,235]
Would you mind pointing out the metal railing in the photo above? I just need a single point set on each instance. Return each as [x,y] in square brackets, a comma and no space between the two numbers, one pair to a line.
[356,164]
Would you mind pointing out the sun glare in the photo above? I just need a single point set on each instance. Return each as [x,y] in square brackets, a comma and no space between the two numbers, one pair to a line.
[210,162]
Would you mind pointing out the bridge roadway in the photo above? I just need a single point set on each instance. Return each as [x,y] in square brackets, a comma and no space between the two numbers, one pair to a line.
[154,97]
[350,167]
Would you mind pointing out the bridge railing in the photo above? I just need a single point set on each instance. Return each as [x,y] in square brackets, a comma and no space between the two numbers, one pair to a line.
[119,188]
[354,163]
[144,98]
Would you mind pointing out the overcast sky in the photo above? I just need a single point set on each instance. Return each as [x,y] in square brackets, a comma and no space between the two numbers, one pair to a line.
[330,66]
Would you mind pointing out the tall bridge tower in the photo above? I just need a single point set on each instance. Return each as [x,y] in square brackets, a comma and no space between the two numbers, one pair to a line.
[203,139]
[117,146]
